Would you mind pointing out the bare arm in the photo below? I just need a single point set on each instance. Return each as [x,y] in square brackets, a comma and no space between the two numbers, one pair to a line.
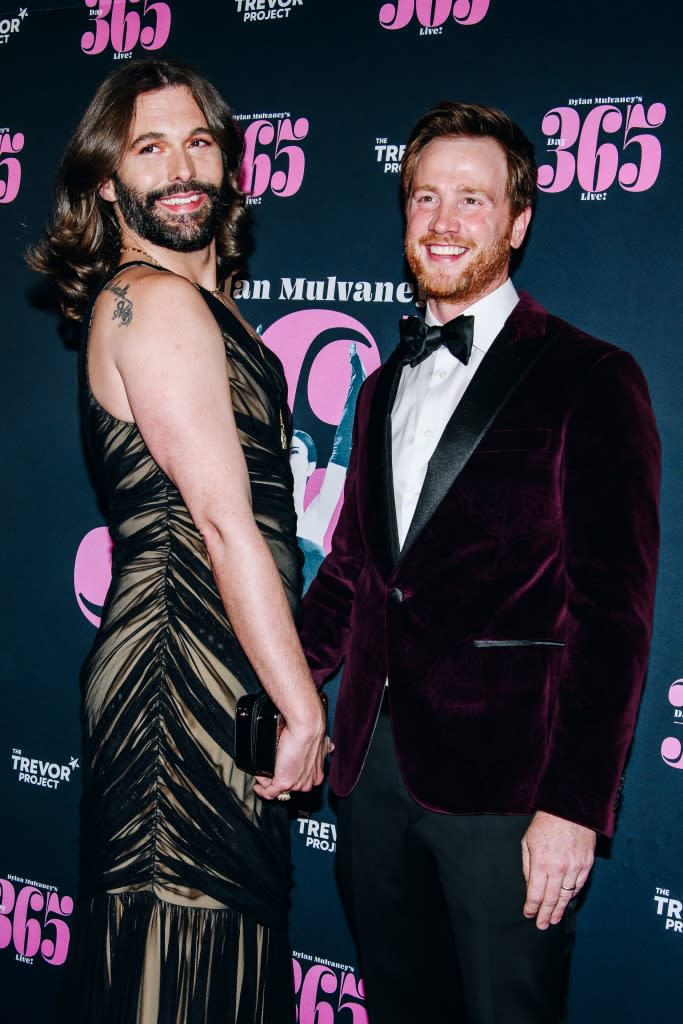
[314,522]
[316,518]
[171,362]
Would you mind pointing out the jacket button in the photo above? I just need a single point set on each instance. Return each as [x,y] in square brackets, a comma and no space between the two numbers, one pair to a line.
[395,595]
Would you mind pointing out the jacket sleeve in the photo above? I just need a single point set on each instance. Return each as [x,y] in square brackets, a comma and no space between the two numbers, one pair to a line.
[611,539]
[328,602]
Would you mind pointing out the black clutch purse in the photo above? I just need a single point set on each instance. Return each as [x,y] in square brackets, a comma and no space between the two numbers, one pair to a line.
[258,725]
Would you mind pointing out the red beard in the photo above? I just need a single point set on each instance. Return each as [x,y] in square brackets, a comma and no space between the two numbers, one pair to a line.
[449,284]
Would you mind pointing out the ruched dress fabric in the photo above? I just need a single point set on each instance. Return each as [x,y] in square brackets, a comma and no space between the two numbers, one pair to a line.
[185,873]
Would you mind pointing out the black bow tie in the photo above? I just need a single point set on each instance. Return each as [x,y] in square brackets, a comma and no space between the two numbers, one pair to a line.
[418,340]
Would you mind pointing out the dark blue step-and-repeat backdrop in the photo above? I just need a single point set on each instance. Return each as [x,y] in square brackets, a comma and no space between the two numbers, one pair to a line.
[326,92]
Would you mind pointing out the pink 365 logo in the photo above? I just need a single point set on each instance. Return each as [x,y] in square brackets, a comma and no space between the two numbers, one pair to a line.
[125,23]
[323,992]
[582,149]
[672,747]
[432,13]
[272,157]
[10,167]
[32,922]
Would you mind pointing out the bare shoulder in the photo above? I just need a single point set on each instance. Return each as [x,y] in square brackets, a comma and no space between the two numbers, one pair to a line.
[151,330]
[140,299]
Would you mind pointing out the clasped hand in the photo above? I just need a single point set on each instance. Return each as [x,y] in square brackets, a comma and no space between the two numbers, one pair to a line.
[299,764]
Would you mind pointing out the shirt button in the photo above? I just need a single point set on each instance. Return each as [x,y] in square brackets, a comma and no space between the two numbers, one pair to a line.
[428,433]
[442,375]
[395,595]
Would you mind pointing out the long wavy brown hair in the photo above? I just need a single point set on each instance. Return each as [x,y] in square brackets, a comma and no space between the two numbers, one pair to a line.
[81,243]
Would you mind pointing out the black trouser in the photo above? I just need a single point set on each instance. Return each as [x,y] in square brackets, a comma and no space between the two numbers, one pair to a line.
[435,903]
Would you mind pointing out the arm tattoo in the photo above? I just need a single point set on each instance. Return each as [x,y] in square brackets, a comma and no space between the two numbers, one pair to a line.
[123,306]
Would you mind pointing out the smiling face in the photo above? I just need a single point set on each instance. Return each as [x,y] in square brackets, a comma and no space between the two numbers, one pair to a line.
[168,185]
[459,225]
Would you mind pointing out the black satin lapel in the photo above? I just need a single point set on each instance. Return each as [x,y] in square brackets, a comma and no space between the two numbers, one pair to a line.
[379,457]
[501,370]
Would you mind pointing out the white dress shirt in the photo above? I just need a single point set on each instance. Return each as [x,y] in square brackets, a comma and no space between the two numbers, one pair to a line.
[427,396]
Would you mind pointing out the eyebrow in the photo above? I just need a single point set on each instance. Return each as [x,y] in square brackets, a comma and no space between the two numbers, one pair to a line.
[468,190]
[155,136]
[473,190]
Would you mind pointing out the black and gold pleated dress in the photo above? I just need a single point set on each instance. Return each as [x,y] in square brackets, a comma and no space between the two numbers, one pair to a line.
[185,873]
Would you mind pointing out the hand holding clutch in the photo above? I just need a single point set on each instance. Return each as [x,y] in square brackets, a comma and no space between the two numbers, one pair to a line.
[258,725]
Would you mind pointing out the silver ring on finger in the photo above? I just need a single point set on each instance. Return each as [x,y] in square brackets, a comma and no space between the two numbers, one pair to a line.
[284,796]
[568,888]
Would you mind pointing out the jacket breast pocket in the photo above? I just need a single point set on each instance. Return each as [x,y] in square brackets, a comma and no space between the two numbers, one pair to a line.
[517,643]
[525,439]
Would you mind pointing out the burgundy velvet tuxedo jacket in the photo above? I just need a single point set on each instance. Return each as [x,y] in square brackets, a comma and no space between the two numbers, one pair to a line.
[514,623]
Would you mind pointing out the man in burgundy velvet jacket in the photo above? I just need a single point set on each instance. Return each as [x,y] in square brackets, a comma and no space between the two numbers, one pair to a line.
[490,592]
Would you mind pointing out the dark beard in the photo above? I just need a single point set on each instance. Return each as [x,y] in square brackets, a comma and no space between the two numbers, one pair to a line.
[484,269]
[187,232]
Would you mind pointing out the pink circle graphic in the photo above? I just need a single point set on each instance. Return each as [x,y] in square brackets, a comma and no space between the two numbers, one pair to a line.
[290,338]
[92,572]
[676,693]
[671,751]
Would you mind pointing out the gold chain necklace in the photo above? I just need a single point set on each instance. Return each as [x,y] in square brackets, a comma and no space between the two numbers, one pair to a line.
[152,259]
[218,294]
